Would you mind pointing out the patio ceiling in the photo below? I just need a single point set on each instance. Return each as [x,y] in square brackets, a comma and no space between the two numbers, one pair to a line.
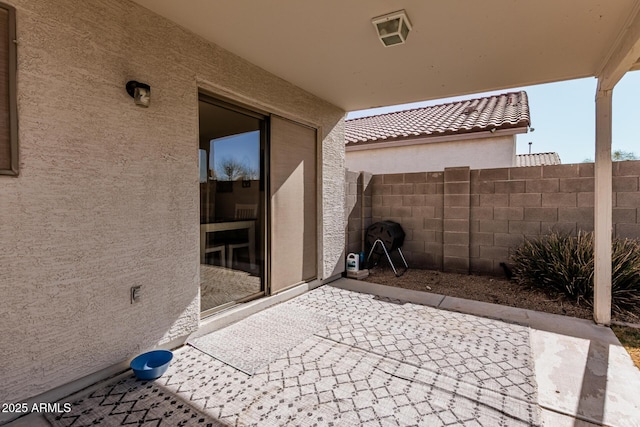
[330,47]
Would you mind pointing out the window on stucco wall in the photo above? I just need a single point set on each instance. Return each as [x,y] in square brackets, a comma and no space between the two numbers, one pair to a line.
[8,109]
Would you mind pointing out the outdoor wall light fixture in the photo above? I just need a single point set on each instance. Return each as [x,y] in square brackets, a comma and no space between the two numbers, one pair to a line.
[140,92]
[393,28]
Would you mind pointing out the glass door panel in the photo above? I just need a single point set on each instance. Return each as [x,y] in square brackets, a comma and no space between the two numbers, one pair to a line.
[232,204]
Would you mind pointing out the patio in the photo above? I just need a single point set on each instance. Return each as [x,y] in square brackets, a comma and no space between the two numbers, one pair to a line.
[100,198]
[355,353]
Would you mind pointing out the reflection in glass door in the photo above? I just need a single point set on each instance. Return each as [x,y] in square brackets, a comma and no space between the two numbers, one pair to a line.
[232,201]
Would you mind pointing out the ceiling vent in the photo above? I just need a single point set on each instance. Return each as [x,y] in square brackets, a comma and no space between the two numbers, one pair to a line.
[392,28]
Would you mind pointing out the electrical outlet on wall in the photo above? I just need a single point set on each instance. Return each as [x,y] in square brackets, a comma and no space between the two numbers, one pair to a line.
[136,293]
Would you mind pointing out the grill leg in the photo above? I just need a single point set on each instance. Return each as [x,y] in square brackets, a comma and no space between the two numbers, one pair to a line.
[403,260]
[406,267]
[373,248]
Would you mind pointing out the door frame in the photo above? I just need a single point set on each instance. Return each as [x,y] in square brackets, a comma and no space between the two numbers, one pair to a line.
[241,103]
[204,96]
[318,204]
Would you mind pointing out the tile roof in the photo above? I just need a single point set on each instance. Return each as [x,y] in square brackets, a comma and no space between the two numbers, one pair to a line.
[504,111]
[538,159]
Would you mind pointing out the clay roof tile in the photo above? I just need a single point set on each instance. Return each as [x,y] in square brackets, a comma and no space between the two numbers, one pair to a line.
[504,111]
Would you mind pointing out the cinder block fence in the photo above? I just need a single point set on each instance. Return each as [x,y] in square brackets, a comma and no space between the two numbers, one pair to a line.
[470,221]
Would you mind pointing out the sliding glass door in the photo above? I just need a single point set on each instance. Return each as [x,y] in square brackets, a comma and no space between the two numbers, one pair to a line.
[232,204]
[250,165]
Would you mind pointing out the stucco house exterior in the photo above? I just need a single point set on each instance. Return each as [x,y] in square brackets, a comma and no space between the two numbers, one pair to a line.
[101,199]
[106,195]
[480,133]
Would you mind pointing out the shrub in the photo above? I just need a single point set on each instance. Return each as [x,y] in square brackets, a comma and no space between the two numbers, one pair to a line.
[625,275]
[564,264]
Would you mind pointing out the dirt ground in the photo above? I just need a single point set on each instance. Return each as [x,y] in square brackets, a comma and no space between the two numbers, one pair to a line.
[488,289]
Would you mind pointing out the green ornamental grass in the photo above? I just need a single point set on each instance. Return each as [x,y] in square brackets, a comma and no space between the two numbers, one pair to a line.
[564,263]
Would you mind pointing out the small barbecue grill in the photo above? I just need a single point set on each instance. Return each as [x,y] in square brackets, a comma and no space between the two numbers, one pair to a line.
[383,238]
[389,232]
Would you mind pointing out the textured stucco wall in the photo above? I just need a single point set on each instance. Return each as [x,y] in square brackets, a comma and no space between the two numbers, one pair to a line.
[108,193]
[480,153]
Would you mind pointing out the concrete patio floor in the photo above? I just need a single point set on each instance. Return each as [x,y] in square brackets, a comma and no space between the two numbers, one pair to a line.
[375,365]
[584,376]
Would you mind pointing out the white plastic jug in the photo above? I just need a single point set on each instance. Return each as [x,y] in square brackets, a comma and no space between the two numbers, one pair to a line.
[353,262]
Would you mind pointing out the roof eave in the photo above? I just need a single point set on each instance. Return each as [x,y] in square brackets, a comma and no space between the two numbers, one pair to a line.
[424,139]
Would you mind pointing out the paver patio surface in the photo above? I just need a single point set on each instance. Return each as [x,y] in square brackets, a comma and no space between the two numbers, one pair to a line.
[377,360]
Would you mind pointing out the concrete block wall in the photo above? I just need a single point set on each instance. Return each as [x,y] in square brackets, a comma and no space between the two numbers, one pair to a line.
[626,202]
[358,211]
[457,220]
[352,212]
[416,201]
[471,220]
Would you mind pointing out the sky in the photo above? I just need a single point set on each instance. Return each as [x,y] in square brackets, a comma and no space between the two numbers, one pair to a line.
[563,117]
[243,148]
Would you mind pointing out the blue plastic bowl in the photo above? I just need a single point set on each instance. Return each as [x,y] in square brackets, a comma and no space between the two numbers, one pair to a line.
[151,365]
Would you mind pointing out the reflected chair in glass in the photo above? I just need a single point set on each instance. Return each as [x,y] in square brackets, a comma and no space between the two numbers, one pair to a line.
[246,212]
[217,248]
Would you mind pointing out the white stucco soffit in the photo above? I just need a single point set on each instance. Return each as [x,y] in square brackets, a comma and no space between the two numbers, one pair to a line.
[330,48]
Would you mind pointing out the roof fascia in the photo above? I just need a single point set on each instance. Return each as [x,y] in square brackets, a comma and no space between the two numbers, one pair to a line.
[420,140]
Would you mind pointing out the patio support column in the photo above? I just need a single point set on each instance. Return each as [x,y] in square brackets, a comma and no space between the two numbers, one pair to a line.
[622,57]
[603,209]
